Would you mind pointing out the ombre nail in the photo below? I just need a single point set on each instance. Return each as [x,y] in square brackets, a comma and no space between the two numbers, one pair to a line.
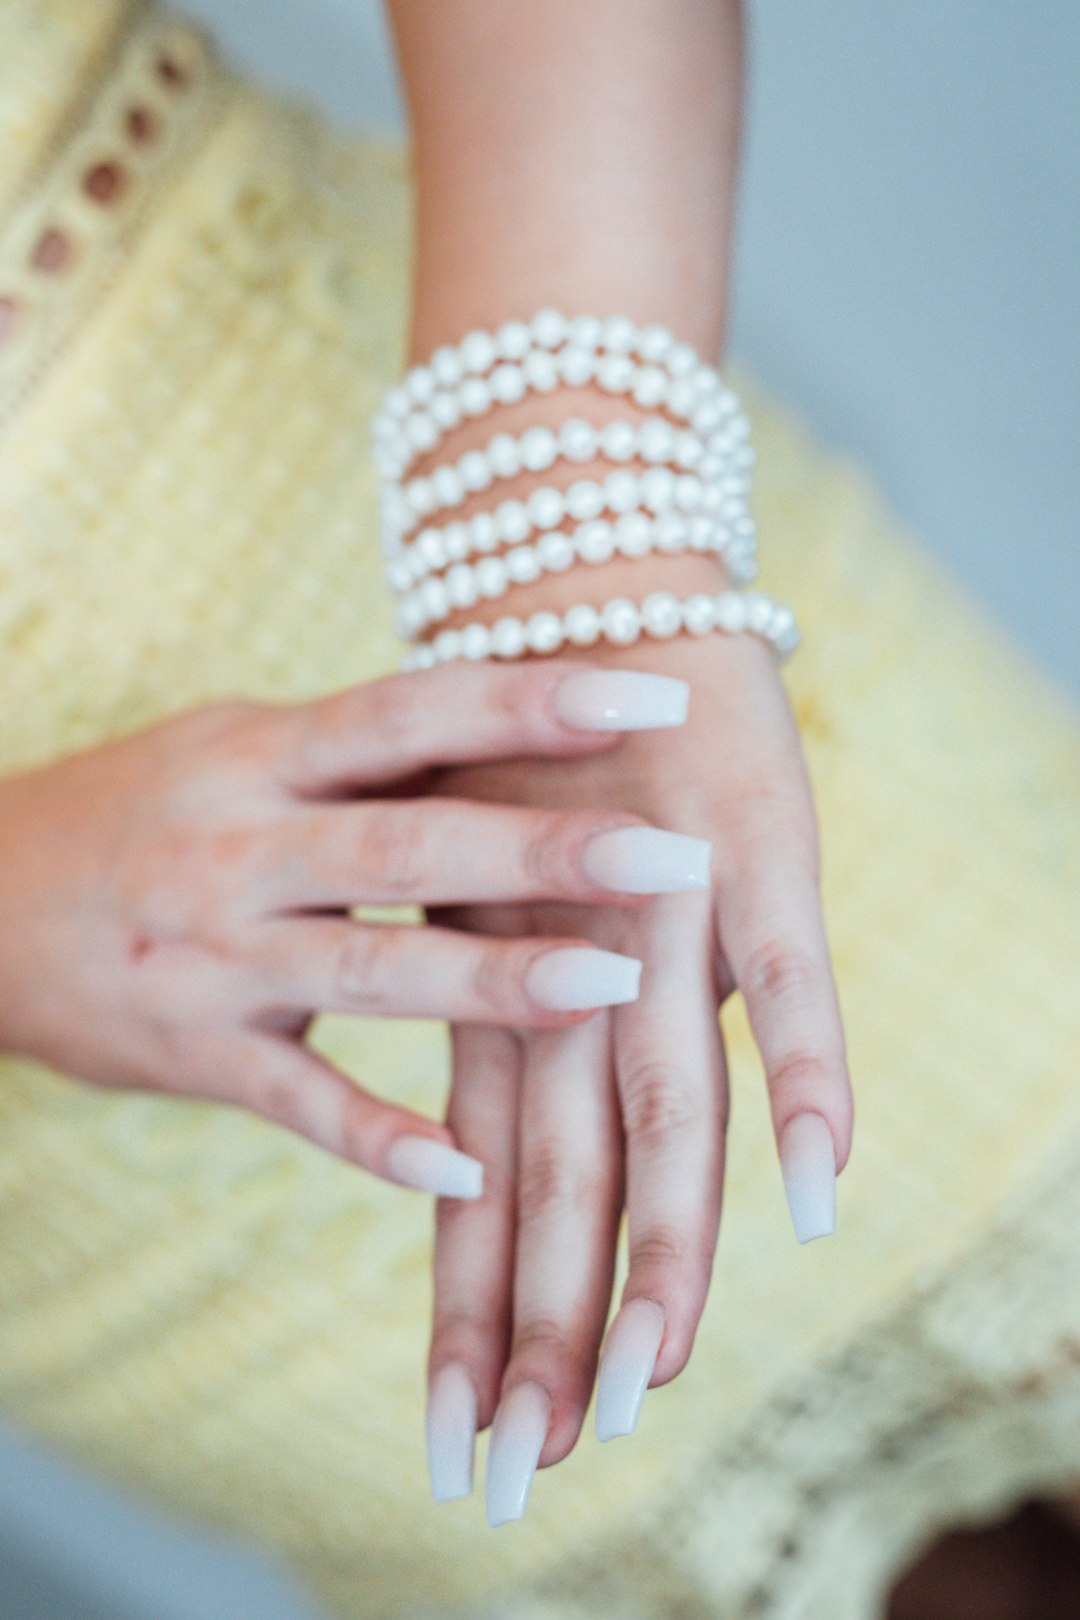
[517,1439]
[627,1364]
[451,1431]
[808,1165]
[435,1167]
[621,700]
[647,860]
[575,977]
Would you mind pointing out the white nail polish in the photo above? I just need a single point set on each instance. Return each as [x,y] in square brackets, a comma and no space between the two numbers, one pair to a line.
[808,1164]
[647,860]
[434,1167]
[517,1439]
[621,700]
[451,1432]
[630,1353]
[579,976]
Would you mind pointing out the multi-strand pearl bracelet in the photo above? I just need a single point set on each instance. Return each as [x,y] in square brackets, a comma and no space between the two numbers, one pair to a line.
[692,494]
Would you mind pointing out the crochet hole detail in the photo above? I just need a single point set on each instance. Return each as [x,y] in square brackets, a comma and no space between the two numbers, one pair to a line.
[9,316]
[141,125]
[53,251]
[170,72]
[105,182]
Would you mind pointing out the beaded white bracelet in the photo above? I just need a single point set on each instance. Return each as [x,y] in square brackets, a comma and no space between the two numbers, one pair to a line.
[597,541]
[620,621]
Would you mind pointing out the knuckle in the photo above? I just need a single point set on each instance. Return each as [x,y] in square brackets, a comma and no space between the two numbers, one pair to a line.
[657,1107]
[393,707]
[546,856]
[549,1182]
[395,850]
[659,1248]
[801,1071]
[493,983]
[776,969]
[360,971]
[541,1333]
[462,1329]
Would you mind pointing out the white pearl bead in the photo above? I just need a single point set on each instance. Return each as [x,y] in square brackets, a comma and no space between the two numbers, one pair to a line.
[707,416]
[577,439]
[507,384]
[397,402]
[618,440]
[410,617]
[513,339]
[657,488]
[546,507]
[681,398]
[474,470]
[730,612]
[549,328]
[556,551]
[618,334]
[706,380]
[447,645]
[615,372]
[512,521]
[671,531]
[477,351]
[541,372]
[421,431]
[711,467]
[399,574]
[420,385]
[522,565]
[508,637]
[621,490]
[539,448]
[595,541]
[430,545]
[586,331]
[445,410]
[621,621]
[423,657]
[491,577]
[475,641]
[576,366]
[660,615]
[656,441]
[474,396]
[699,615]
[420,496]
[702,533]
[484,532]
[461,585]
[688,452]
[504,455]
[446,366]
[543,632]
[446,483]
[650,386]
[688,492]
[634,534]
[655,343]
[584,499]
[434,598]
[758,611]
[581,624]
[682,360]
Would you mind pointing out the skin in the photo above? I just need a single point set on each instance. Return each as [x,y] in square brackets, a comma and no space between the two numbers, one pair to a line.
[584,157]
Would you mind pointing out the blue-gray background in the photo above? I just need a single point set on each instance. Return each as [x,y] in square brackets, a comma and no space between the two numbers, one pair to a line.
[907,279]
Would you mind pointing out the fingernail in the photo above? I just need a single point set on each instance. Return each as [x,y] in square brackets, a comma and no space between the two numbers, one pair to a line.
[630,1352]
[647,860]
[517,1439]
[579,976]
[808,1164]
[451,1432]
[434,1167]
[621,700]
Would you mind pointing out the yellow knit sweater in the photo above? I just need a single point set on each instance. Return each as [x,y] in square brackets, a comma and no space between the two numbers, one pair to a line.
[202,296]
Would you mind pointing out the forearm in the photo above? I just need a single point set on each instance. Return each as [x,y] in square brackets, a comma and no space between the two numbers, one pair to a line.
[575,155]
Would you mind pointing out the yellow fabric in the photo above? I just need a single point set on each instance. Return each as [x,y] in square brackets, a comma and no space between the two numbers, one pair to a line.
[212,1310]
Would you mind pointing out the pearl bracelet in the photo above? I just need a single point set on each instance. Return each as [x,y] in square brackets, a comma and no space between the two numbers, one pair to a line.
[598,541]
[620,621]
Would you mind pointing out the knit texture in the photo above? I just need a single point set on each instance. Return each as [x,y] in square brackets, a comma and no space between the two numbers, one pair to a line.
[223,1315]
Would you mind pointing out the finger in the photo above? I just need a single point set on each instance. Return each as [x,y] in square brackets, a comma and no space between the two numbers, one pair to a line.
[286,1082]
[332,964]
[569,1198]
[772,934]
[474,1256]
[462,712]
[673,1095]
[449,851]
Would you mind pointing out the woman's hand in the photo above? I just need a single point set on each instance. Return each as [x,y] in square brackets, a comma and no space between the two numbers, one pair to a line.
[523,1276]
[174,906]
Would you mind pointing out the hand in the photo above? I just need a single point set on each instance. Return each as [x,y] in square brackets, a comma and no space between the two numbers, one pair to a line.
[174,906]
[523,1279]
